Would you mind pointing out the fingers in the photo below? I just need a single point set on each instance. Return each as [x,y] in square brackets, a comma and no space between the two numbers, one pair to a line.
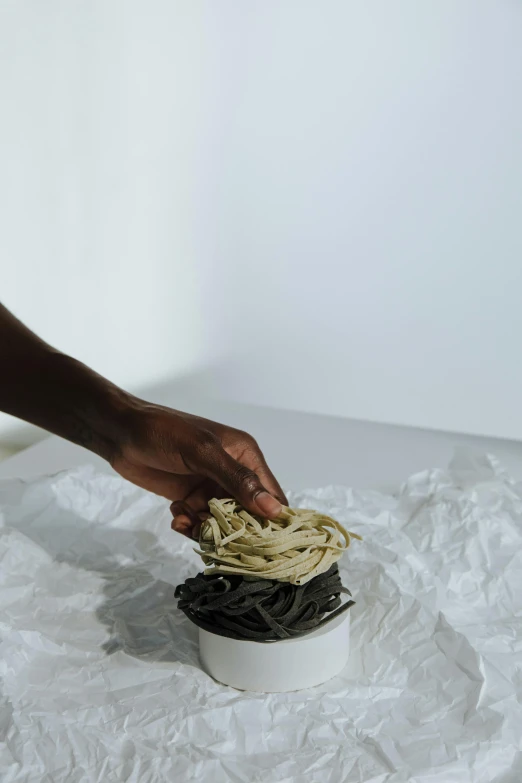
[256,462]
[186,520]
[211,459]
[161,482]
[168,485]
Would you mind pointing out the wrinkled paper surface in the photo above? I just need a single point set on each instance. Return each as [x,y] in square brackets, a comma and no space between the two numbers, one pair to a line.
[100,672]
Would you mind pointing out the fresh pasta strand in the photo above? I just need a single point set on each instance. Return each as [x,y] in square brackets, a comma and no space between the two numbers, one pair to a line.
[297,546]
[261,610]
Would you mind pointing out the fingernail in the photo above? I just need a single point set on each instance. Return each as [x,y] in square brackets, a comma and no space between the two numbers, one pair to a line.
[268,505]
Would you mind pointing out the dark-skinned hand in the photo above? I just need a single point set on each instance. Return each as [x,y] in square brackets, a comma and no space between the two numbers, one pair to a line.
[190,460]
[182,457]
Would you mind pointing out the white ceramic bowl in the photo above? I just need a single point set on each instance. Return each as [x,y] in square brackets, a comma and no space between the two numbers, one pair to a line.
[288,665]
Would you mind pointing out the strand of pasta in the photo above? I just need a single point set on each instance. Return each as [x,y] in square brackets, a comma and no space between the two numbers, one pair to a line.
[261,610]
[295,547]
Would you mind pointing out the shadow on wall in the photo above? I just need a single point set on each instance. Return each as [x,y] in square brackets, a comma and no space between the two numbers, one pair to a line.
[16,435]
[7,451]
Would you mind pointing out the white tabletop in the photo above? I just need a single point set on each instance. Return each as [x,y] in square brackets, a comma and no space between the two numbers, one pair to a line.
[304,450]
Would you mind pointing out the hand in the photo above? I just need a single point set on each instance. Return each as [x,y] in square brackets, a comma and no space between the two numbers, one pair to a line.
[190,460]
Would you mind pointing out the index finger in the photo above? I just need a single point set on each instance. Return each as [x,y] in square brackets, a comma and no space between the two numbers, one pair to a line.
[255,460]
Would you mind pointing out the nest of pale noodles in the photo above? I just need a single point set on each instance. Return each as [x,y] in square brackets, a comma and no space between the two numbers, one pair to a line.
[295,547]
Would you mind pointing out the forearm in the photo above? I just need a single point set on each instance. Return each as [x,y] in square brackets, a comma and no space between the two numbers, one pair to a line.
[45,387]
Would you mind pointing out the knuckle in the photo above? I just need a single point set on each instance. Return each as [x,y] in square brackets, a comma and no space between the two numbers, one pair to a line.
[247,480]
[240,437]
[247,443]
[250,441]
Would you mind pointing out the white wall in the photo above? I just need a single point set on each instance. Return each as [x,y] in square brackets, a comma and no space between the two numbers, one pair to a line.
[104,116]
[369,225]
[322,197]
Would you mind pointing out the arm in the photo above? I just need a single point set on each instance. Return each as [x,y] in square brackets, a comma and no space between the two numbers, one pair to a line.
[182,457]
[44,387]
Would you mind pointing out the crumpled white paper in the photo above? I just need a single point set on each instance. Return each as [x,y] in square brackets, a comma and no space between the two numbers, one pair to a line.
[100,672]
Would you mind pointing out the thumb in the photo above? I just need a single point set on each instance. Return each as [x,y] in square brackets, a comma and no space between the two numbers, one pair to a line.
[241,482]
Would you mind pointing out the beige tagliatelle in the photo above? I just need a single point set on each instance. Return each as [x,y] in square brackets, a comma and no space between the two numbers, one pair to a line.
[295,547]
